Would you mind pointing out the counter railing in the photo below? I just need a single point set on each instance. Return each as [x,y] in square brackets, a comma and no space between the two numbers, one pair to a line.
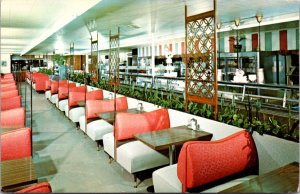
[177,84]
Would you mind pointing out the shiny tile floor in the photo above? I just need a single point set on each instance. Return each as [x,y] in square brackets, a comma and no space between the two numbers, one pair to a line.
[67,158]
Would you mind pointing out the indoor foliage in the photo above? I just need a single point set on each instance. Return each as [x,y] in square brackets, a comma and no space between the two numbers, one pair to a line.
[46,71]
[230,113]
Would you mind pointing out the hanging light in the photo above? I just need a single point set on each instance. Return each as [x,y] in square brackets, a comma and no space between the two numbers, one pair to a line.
[237,22]
[219,24]
[259,17]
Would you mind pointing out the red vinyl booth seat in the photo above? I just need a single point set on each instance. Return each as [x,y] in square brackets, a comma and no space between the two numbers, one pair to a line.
[98,106]
[128,124]
[8,85]
[13,118]
[7,81]
[76,94]
[74,97]
[202,162]
[44,187]
[40,81]
[35,75]
[11,103]
[94,95]
[64,90]
[9,94]
[8,88]
[7,75]
[48,84]
[54,85]
[32,76]
[16,144]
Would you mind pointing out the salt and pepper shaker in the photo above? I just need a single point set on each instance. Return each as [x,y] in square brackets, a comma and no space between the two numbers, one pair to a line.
[193,124]
[140,107]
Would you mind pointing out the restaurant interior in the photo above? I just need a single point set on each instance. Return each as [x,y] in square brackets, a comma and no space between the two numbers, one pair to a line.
[149,96]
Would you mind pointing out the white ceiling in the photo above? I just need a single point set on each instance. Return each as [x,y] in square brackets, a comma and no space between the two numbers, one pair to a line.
[41,26]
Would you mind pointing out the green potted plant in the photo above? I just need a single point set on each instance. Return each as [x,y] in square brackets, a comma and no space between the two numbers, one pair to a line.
[60,61]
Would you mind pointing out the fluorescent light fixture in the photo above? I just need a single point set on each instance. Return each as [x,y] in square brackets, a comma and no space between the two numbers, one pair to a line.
[61,22]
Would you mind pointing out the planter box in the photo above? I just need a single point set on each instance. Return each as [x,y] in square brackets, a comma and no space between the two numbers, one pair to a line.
[273,152]
[132,103]
[219,130]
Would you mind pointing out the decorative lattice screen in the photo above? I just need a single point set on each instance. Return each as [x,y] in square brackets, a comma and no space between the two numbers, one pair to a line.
[201,82]
[114,44]
[94,59]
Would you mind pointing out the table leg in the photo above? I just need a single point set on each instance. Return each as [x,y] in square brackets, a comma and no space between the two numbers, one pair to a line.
[171,154]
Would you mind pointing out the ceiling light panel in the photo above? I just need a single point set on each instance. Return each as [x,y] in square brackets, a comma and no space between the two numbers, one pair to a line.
[45,17]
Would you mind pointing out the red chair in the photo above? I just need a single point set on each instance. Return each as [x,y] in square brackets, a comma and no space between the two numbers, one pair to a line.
[16,144]
[11,103]
[203,162]
[44,187]
[13,118]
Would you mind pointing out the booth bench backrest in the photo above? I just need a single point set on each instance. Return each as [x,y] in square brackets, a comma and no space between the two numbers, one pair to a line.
[76,94]
[63,89]
[9,85]
[16,144]
[128,124]
[8,75]
[94,95]
[9,94]
[43,187]
[37,76]
[54,85]
[7,81]
[48,84]
[202,162]
[13,118]
[10,103]
[98,106]
[10,88]
[74,97]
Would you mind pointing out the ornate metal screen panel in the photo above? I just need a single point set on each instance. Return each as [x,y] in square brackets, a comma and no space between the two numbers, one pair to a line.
[114,44]
[201,82]
[94,59]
